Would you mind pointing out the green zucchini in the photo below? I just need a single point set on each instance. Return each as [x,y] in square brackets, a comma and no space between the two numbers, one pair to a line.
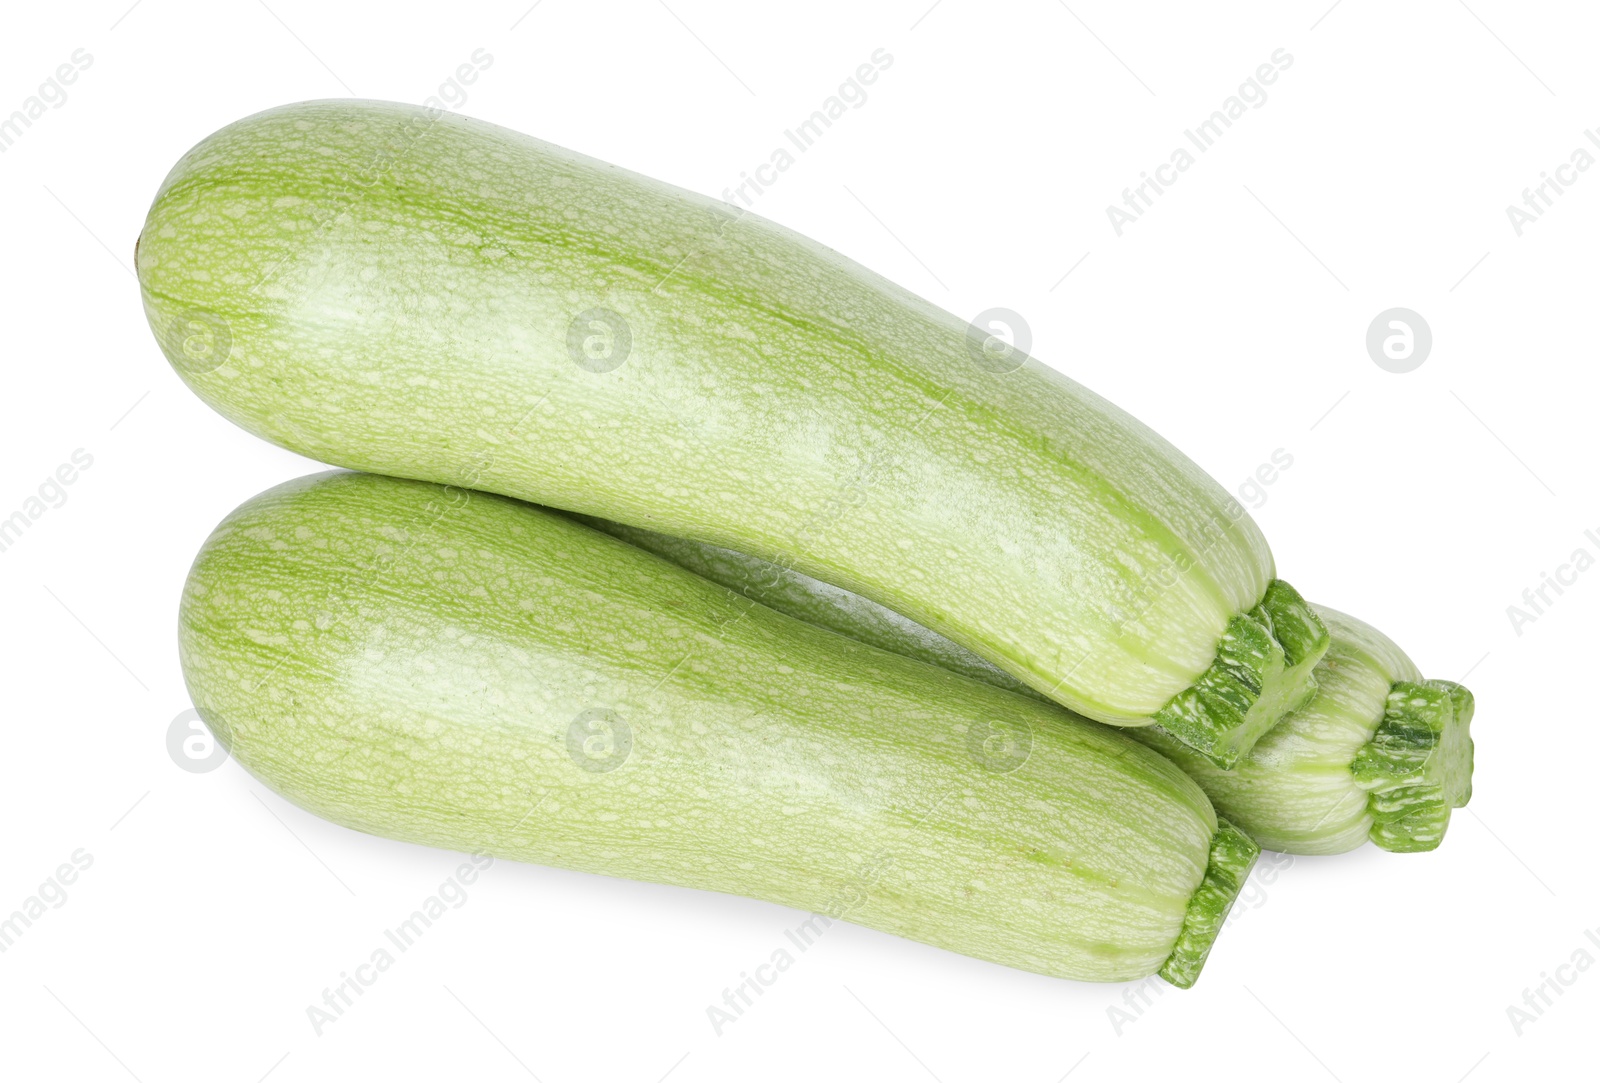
[1378,753]
[391,288]
[463,670]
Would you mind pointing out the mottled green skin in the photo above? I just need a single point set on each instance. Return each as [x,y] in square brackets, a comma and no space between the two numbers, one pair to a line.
[1373,755]
[387,289]
[823,604]
[410,661]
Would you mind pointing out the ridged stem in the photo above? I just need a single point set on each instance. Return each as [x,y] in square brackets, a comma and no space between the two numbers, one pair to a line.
[1263,670]
[1233,854]
[1418,765]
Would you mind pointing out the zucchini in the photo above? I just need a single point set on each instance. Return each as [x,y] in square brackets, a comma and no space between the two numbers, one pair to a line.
[1378,753]
[395,289]
[463,670]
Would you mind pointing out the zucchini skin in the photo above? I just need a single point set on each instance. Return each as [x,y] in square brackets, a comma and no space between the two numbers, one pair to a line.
[462,670]
[815,602]
[386,288]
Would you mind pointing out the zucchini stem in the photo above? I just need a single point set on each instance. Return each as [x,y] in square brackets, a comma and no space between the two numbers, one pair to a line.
[1263,671]
[1233,855]
[1418,765]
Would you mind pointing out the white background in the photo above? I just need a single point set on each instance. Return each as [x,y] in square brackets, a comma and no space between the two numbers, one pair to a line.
[1231,317]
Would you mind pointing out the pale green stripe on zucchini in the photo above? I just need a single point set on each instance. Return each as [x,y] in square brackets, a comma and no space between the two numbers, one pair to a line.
[418,294]
[462,670]
[1376,753]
